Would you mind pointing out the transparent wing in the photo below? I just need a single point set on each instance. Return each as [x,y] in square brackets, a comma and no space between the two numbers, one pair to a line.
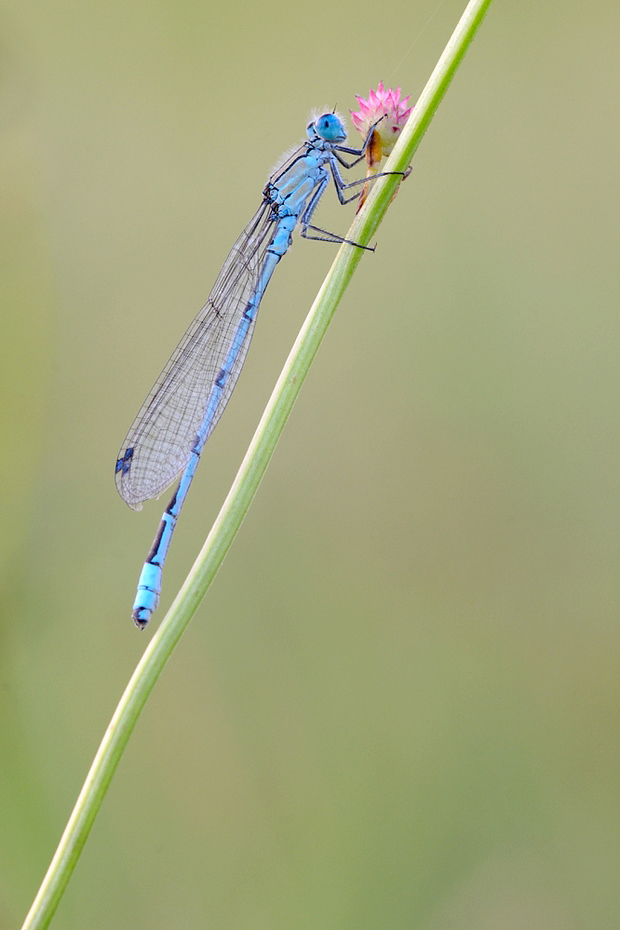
[158,446]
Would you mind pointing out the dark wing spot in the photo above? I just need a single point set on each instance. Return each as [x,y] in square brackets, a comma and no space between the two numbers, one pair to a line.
[124,463]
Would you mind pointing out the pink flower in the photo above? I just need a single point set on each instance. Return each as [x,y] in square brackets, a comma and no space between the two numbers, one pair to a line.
[386,104]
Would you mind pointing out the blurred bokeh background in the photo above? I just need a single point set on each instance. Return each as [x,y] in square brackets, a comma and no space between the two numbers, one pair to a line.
[399,704]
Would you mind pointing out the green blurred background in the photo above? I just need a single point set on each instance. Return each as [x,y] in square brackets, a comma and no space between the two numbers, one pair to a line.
[398,705]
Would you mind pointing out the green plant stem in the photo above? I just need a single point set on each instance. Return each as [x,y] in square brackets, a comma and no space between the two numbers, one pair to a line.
[248,478]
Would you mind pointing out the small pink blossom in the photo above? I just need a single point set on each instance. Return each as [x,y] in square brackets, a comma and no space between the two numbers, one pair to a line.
[392,112]
[386,104]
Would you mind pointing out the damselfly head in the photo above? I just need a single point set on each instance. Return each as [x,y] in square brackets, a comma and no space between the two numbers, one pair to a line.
[328,127]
